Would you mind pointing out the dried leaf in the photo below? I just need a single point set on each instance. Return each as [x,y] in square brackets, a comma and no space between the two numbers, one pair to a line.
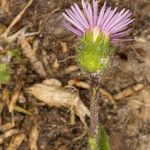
[30,53]
[16,142]
[7,134]
[58,96]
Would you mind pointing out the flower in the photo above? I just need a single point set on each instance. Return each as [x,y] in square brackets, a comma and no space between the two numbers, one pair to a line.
[108,21]
[97,31]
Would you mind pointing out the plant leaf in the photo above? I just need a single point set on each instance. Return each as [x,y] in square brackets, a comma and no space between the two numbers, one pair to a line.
[103,139]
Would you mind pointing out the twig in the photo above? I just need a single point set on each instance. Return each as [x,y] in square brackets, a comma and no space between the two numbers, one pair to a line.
[69,57]
[15,20]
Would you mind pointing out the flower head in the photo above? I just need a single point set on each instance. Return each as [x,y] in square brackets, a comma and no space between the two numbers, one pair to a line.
[97,29]
[114,24]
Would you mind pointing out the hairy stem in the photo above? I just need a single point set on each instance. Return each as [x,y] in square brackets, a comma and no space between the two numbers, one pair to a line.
[94,109]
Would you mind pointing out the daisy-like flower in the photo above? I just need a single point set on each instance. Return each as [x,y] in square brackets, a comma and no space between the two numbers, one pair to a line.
[97,29]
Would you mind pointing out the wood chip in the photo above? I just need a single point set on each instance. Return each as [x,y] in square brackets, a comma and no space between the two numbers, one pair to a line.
[33,137]
[64,47]
[16,142]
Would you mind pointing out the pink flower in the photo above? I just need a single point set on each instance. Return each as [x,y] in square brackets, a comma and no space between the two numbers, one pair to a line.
[110,22]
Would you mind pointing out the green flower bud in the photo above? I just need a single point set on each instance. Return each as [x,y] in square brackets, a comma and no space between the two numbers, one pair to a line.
[94,52]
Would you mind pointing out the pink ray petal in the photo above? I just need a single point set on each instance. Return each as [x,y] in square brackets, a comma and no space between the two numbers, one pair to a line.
[79,33]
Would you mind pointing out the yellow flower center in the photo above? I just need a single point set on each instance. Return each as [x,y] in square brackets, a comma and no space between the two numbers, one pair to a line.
[95,32]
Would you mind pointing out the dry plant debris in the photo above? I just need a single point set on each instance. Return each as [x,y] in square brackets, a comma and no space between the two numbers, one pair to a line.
[30,53]
[141,108]
[107,95]
[8,134]
[16,142]
[33,137]
[4,5]
[51,92]
[54,60]
[128,91]
[71,69]
[78,83]
[7,126]
[13,100]
[5,35]
[64,47]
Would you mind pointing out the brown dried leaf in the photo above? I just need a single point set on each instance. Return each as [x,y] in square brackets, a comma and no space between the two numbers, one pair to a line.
[30,53]
[7,135]
[15,142]
[58,96]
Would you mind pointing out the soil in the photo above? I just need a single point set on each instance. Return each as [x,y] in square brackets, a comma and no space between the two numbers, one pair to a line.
[127,122]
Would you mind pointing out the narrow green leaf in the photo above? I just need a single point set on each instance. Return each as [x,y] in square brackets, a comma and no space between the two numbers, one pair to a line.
[103,139]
